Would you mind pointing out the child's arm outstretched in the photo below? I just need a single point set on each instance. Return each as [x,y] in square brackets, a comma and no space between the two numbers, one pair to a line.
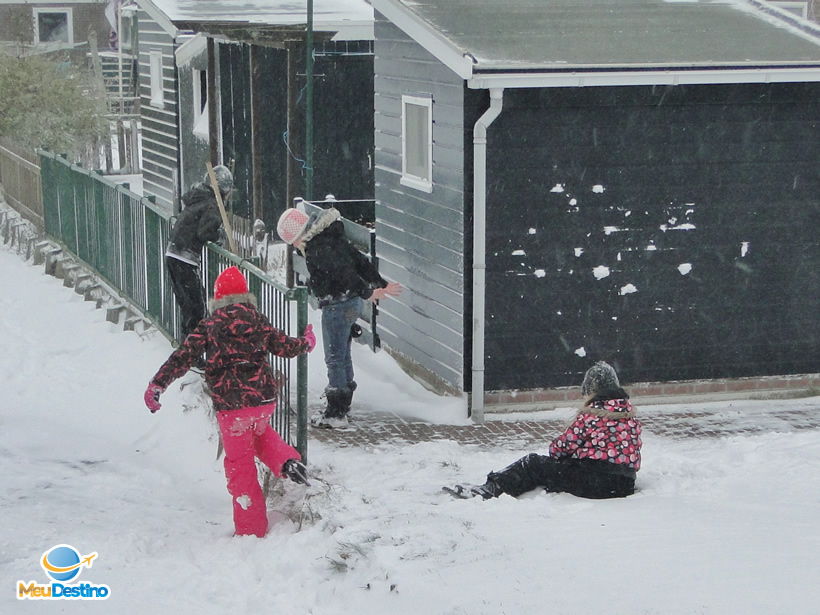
[281,345]
[175,366]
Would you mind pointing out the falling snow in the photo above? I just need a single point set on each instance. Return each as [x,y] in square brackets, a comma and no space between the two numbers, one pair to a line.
[628,289]
[685,268]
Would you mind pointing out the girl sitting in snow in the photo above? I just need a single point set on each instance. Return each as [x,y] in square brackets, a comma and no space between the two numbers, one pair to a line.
[596,457]
[237,339]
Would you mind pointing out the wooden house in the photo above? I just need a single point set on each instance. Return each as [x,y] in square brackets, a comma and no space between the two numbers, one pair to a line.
[564,182]
[40,26]
[223,83]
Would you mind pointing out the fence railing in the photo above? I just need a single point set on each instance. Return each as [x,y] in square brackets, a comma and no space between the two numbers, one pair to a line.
[20,177]
[122,237]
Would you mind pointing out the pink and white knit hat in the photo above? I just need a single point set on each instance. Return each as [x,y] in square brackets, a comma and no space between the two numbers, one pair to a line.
[291,225]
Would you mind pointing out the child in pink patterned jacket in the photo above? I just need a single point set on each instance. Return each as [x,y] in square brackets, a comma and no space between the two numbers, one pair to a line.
[237,339]
[597,456]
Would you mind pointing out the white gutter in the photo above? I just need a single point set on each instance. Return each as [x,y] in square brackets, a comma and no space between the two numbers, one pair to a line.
[511,79]
[480,249]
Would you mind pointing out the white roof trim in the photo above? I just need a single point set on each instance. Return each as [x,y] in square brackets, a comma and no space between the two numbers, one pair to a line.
[191,48]
[650,77]
[159,16]
[349,30]
[426,36]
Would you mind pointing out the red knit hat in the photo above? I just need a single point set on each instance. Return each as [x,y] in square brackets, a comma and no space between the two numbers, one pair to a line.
[230,282]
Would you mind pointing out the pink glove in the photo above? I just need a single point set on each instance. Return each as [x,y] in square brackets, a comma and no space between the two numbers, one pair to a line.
[151,397]
[310,337]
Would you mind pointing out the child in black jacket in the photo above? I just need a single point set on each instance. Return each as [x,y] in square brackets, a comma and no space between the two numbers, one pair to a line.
[341,279]
[198,223]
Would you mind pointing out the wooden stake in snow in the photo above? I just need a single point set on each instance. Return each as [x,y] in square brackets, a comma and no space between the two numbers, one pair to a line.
[218,194]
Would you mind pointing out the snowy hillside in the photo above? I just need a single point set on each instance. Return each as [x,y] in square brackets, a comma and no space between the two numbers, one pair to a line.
[719,525]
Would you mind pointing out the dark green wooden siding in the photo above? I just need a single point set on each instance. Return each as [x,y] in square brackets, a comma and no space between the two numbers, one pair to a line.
[703,199]
[343,124]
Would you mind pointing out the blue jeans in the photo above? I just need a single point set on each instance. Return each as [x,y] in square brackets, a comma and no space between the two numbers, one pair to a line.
[337,318]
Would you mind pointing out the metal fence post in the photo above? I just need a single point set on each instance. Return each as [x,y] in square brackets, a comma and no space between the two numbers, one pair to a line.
[301,376]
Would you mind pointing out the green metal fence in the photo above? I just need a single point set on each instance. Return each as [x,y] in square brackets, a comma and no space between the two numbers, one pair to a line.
[122,238]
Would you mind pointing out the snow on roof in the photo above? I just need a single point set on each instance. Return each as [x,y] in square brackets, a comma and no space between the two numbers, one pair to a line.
[275,12]
[580,34]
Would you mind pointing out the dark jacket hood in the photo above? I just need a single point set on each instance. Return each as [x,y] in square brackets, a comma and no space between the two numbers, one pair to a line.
[198,193]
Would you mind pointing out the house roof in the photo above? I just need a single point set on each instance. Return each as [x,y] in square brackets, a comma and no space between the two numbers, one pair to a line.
[351,19]
[483,39]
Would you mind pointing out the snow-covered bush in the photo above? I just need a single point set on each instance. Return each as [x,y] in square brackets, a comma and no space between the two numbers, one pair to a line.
[48,104]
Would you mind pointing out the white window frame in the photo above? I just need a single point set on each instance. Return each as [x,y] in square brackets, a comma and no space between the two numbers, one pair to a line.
[408,179]
[67,11]
[201,127]
[155,73]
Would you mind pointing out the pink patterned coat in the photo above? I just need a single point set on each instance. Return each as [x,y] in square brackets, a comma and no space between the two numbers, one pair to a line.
[604,430]
[237,339]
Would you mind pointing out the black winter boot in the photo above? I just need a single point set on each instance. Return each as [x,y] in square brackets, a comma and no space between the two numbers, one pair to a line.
[347,397]
[335,414]
[296,471]
[336,403]
[465,491]
[488,490]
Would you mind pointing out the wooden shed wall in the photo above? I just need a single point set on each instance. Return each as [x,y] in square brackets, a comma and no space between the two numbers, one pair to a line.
[669,230]
[194,148]
[160,139]
[342,116]
[235,101]
[420,236]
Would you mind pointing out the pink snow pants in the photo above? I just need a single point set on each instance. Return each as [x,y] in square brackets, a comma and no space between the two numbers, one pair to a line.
[246,433]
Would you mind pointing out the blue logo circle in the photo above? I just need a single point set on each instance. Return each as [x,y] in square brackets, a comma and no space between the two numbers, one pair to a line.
[62,557]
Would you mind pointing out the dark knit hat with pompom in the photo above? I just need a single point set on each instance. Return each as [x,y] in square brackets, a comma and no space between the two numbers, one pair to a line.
[599,378]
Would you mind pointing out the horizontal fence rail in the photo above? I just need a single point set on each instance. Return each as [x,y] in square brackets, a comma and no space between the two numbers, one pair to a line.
[122,237]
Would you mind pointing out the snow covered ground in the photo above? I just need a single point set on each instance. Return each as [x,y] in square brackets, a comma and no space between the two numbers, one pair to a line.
[720,525]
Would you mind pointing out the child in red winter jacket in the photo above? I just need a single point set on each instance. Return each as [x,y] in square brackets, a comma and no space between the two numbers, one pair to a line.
[597,456]
[237,339]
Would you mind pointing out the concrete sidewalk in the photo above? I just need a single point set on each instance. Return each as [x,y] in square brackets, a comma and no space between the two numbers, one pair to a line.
[697,420]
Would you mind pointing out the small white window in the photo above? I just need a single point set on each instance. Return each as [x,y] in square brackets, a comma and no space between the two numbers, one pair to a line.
[53,26]
[157,93]
[417,142]
[200,82]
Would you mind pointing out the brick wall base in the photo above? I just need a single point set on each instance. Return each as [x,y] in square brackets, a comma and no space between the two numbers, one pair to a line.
[762,387]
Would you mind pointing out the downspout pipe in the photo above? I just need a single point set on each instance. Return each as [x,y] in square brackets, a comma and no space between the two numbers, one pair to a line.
[480,248]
